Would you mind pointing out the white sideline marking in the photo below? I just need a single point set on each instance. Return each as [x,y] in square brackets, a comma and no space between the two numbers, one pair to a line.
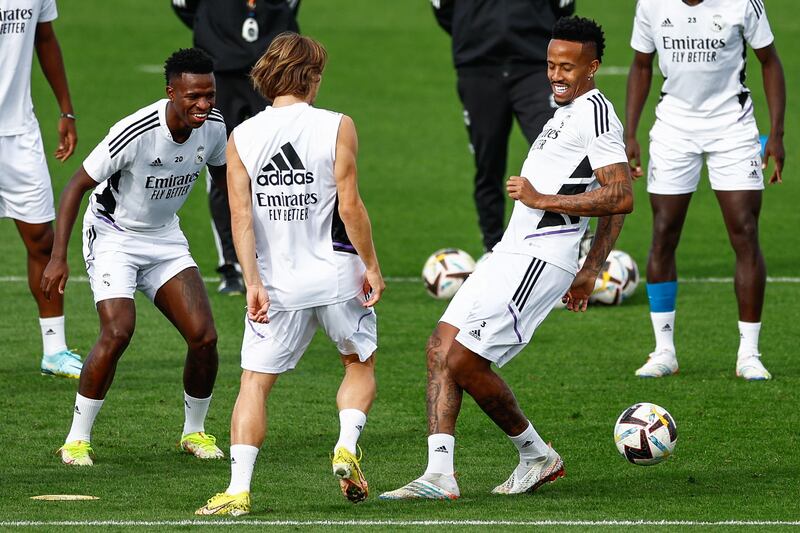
[228,522]
[151,69]
[413,279]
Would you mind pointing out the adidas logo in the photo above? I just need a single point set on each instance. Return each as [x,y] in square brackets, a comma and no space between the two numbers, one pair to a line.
[49,332]
[77,410]
[666,328]
[441,449]
[187,404]
[157,163]
[233,460]
[527,443]
[285,168]
[754,174]
[359,427]
[666,24]
[476,333]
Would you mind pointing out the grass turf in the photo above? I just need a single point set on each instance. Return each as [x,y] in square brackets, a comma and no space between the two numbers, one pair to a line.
[390,69]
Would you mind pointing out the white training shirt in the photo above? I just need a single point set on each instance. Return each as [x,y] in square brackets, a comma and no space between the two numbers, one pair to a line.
[304,256]
[582,136]
[18,20]
[144,176]
[702,53]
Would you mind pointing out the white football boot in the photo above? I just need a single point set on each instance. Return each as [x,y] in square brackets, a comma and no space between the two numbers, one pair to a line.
[659,364]
[751,368]
[529,476]
[427,487]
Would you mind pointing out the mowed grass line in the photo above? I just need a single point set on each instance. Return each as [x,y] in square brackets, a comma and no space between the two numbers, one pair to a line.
[390,69]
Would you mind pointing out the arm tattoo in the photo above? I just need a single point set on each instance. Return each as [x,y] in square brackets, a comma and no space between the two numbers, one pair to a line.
[608,229]
[613,197]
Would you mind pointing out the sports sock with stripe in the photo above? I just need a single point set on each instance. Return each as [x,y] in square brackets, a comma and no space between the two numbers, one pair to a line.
[441,448]
[195,411]
[53,337]
[243,459]
[83,416]
[530,445]
[662,298]
[351,424]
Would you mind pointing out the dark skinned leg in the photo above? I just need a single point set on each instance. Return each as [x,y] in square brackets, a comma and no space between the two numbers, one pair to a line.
[669,214]
[38,239]
[183,300]
[117,322]
[443,395]
[474,374]
[740,210]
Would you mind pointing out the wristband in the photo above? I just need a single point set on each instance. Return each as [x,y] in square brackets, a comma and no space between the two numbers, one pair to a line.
[68,115]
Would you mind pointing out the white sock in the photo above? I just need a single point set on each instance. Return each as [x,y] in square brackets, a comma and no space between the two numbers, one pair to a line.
[195,411]
[53,338]
[243,459]
[530,445]
[83,416]
[351,424]
[664,329]
[441,448]
[748,338]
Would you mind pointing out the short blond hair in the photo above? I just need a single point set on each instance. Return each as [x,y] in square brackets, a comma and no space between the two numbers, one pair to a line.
[290,66]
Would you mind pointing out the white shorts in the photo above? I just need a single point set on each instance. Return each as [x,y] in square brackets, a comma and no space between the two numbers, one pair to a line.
[502,303]
[276,347]
[120,263]
[676,159]
[25,190]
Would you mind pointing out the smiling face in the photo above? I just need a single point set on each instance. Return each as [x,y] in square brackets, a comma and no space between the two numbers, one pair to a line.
[570,68]
[191,98]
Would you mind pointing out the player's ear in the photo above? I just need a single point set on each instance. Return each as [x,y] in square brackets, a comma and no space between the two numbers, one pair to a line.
[593,66]
[170,93]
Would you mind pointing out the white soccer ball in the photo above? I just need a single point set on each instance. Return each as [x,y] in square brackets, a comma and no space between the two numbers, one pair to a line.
[632,280]
[645,434]
[609,283]
[445,271]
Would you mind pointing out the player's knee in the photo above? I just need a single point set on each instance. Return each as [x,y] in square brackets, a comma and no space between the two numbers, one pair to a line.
[115,338]
[204,340]
[40,243]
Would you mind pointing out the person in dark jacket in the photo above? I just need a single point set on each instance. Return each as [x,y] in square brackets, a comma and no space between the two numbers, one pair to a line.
[235,33]
[499,52]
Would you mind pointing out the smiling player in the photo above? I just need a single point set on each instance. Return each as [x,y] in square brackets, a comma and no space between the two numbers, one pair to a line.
[142,173]
[575,169]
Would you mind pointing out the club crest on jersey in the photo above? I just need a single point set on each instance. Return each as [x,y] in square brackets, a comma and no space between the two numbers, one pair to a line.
[198,158]
[717,24]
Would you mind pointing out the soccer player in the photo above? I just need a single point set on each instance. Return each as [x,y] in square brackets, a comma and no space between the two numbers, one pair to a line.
[304,242]
[26,195]
[142,173]
[576,168]
[235,35]
[705,113]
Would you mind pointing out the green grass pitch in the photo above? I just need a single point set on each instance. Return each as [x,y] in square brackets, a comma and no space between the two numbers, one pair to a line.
[390,69]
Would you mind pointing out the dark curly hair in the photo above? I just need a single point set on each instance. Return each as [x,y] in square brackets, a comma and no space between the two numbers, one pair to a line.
[189,60]
[580,30]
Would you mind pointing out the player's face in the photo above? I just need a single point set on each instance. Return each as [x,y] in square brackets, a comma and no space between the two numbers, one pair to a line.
[192,97]
[570,69]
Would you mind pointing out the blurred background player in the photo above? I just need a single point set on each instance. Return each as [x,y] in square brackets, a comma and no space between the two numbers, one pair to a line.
[235,34]
[500,55]
[305,244]
[26,195]
[142,173]
[705,112]
[576,168]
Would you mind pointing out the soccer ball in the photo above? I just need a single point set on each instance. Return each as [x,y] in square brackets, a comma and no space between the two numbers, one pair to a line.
[628,264]
[445,271]
[645,434]
[609,283]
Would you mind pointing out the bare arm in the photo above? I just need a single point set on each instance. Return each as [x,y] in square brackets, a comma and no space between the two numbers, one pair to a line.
[608,229]
[56,273]
[241,203]
[775,91]
[615,195]
[640,77]
[49,53]
[352,209]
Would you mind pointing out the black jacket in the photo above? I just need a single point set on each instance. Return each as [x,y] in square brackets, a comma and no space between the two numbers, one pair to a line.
[494,33]
[217,26]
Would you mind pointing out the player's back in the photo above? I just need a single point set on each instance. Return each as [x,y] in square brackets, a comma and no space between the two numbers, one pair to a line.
[304,256]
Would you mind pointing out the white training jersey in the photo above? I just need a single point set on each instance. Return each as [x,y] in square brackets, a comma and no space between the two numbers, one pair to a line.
[304,256]
[582,136]
[18,20]
[702,55]
[144,176]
